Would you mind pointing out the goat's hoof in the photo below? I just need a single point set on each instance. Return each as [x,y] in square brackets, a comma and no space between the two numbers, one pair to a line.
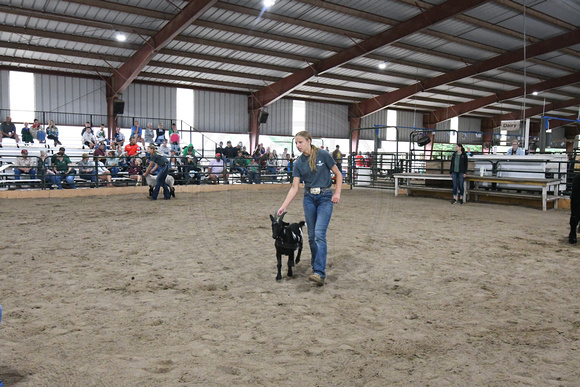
[572,240]
[278,278]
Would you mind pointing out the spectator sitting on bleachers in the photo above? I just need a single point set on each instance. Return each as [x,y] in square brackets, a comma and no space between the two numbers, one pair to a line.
[174,139]
[189,163]
[8,129]
[44,167]
[102,136]
[241,164]
[149,134]
[100,151]
[38,132]
[160,134]
[216,169]
[136,170]
[26,135]
[63,168]
[220,148]
[271,162]
[254,171]
[87,125]
[164,150]
[229,154]
[132,149]
[52,133]
[119,139]
[136,132]
[89,138]
[87,168]
[112,163]
[24,164]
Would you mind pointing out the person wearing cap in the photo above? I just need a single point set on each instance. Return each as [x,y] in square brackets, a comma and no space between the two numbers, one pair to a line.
[158,163]
[216,169]
[189,162]
[24,164]
[8,129]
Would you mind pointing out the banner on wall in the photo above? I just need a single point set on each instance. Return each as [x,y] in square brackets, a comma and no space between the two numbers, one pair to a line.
[510,125]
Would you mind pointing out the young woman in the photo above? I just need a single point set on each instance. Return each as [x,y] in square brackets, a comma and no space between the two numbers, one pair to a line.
[52,133]
[313,167]
[458,172]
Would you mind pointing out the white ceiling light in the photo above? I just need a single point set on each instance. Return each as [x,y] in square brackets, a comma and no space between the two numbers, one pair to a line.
[382,65]
[120,37]
[269,3]
[535,93]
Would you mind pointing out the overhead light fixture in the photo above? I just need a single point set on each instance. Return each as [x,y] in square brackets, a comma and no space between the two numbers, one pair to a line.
[120,37]
[268,3]
[535,93]
[383,65]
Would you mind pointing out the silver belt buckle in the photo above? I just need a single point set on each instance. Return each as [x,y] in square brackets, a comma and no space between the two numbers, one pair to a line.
[315,191]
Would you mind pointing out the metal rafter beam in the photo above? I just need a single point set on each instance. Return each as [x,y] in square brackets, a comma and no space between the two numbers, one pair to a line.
[438,13]
[535,111]
[457,110]
[130,69]
[374,104]
[145,33]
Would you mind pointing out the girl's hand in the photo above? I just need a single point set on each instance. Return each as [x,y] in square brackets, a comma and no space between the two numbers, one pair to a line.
[281,210]
[335,198]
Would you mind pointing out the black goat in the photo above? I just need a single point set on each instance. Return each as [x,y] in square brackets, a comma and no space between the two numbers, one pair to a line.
[288,237]
[574,209]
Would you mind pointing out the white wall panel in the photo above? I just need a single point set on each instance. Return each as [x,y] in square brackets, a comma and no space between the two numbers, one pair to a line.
[327,120]
[279,119]
[4,90]
[221,112]
[69,95]
[443,137]
[150,101]
[407,121]
[377,118]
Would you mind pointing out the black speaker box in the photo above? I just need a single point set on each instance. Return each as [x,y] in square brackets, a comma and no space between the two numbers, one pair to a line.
[118,107]
[263,117]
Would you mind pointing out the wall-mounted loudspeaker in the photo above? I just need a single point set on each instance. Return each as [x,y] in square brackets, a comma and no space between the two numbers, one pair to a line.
[263,117]
[118,107]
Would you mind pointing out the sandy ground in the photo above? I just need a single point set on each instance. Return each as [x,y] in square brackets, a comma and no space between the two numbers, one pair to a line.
[120,291]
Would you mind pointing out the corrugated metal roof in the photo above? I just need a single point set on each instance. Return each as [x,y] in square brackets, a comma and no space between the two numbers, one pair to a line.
[237,45]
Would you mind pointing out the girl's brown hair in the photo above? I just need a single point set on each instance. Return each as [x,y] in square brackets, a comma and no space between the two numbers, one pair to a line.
[313,148]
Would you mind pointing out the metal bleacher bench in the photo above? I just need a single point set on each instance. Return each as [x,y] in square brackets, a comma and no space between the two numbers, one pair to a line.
[546,185]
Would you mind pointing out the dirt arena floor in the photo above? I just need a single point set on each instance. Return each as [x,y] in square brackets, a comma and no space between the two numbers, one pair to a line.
[121,291]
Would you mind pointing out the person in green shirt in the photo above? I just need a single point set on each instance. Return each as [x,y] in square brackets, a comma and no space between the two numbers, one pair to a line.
[241,164]
[63,169]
